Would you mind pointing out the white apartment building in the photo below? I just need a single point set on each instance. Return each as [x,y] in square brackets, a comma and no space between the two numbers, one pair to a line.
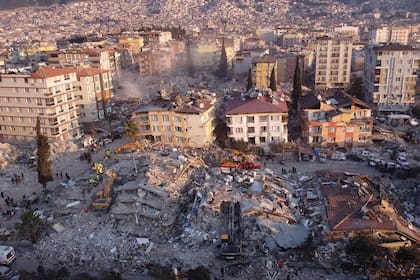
[259,119]
[333,62]
[380,34]
[48,93]
[389,76]
[94,94]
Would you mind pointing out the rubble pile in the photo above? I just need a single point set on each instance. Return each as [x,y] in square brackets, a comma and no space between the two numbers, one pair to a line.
[7,154]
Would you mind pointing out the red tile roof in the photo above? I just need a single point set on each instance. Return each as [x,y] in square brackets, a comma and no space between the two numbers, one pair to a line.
[237,106]
[84,72]
[395,47]
[46,72]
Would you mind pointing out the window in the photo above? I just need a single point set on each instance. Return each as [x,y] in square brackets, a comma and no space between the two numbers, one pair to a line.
[239,130]
[263,118]
[178,129]
[349,140]
[250,119]
[331,129]
[263,129]
[275,118]
[177,118]
[349,129]
[154,118]
[165,118]
[262,139]
[251,129]
[168,128]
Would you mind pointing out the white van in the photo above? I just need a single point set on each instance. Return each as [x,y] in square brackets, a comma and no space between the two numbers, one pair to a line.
[7,254]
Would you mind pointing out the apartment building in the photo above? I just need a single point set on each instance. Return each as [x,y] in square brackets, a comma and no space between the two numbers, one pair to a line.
[178,120]
[390,75]
[94,94]
[155,38]
[243,60]
[380,34]
[259,118]
[155,61]
[333,62]
[400,34]
[134,44]
[335,118]
[206,52]
[48,93]
[105,59]
[261,69]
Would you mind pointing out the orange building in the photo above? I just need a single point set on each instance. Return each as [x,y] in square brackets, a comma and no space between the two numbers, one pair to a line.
[335,118]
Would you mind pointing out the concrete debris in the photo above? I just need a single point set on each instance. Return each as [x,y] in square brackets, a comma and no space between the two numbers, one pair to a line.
[167,209]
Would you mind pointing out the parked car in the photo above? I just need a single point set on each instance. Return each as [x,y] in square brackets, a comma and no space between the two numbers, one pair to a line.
[7,273]
[354,157]
[338,156]
[365,154]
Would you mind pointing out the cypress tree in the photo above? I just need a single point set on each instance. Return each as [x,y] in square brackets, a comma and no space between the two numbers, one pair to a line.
[273,82]
[297,86]
[222,72]
[44,162]
[249,82]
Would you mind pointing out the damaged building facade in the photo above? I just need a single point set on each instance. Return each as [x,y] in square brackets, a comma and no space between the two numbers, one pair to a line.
[257,117]
[335,118]
[178,119]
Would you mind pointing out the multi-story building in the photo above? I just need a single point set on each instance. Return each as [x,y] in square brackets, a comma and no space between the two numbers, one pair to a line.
[261,69]
[48,93]
[155,38]
[380,34]
[333,62]
[258,118]
[206,52]
[335,118]
[400,34]
[155,61]
[179,120]
[243,60]
[389,76]
[105,59]
[94,94]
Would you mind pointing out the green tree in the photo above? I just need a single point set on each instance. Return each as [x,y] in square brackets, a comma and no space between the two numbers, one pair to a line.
[30,226]
[249,81]
[223,67]
[363,248]
[273,82]
[44,162]
[200,273]
[297,86]
[131,129]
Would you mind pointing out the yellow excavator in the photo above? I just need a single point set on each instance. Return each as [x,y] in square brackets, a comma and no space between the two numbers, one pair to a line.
[128,148]
[103,199]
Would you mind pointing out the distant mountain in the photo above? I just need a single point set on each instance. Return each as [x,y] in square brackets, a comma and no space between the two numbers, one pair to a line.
[12,4]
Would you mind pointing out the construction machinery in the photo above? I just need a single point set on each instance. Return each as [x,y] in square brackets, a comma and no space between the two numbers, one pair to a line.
[129,147]
[239,160]
[102,200]
[231,246]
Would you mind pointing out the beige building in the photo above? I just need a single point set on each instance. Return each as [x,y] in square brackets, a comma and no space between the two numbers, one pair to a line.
[261,69]
[94,94]
[333,62]
[206,52]
[258,118]
[390,75]
[48,93]
[155,61]
[179,120]
[400,34]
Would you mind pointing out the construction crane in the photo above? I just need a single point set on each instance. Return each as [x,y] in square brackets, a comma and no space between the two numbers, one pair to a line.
[128,148]
[102,200]
[239,160]
[231,246]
